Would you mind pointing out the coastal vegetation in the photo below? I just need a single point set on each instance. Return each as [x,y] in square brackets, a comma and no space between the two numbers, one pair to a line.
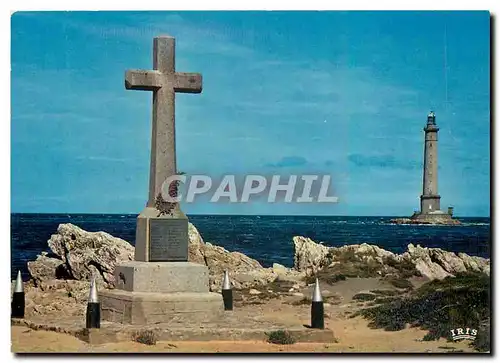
[439,306]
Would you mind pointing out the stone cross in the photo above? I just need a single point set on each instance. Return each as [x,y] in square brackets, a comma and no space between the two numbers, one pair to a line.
[164,81]
[161,285]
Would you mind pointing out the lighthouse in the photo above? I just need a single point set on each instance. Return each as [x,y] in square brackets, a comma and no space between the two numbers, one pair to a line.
[429,200]
[430,206]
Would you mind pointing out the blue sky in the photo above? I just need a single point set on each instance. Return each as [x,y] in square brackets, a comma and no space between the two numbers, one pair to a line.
[338,93]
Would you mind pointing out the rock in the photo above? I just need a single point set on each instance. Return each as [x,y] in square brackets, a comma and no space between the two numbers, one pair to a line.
[87,253]
[195,246]
[46,268]
[254,292]
[299,294]
[308,256]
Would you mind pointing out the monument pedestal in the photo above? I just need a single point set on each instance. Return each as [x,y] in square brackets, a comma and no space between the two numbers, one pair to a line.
[160,292]
[142,308]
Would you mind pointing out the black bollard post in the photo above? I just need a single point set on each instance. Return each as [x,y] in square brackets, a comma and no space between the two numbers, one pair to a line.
[317,309]
[18,302]
[93,308]
[227,292]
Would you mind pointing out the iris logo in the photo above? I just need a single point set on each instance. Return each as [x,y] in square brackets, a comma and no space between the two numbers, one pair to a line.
[463,333]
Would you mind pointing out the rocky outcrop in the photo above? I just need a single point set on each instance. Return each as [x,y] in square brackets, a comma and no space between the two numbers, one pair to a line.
[351,260]
[475,263]
[371,261]
[435,263]
[85,254]
[81,254]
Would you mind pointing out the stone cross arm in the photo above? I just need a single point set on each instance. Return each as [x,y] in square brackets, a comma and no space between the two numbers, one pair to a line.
[151,80]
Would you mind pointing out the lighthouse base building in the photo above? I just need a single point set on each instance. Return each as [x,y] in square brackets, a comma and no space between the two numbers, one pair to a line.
[436,217]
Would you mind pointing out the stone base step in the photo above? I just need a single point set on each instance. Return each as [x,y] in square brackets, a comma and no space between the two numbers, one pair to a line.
[163,277]
[138,308]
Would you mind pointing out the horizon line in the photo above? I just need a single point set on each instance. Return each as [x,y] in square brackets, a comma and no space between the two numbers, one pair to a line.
[249,215]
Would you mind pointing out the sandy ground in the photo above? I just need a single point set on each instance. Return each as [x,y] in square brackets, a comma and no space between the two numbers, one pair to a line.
[353,335]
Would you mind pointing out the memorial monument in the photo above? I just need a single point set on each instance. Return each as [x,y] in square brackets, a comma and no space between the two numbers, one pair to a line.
[161,285]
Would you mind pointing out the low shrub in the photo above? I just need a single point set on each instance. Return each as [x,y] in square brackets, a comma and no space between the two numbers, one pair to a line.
[147,337]
[280,337]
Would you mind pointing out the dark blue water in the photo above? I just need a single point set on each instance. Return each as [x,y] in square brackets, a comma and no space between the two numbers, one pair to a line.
[265,238]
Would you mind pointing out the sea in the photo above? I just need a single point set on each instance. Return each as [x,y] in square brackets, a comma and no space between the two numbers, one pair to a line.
[267,239]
